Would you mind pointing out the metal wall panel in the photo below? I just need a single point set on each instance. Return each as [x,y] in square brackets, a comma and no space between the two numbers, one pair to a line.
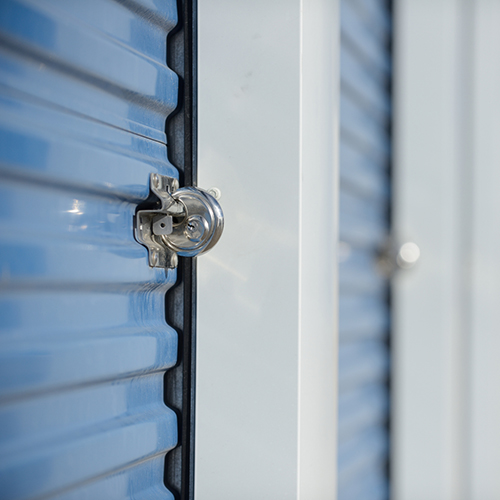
[84,95]
[267,296]
[364,226]
[447,376]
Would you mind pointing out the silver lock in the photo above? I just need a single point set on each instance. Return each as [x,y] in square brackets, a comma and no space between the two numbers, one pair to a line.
[188,222]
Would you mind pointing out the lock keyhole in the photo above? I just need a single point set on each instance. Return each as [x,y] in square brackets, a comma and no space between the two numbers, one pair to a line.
[196,226]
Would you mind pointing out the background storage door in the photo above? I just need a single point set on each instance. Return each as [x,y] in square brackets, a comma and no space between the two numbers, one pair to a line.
[364,227]
[84,96]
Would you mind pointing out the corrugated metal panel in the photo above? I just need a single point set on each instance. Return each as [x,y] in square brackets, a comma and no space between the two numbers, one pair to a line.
[364,226]
[84,95]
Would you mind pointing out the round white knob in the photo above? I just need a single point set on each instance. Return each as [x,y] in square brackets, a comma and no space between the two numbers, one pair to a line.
[408,255]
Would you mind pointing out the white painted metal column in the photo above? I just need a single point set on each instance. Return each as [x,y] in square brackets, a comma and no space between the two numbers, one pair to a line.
[446,440]
[426,398]
[485,261]
[267,313]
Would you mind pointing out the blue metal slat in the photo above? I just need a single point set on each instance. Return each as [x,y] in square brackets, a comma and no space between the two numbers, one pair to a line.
[376,17]
[361,83]
[362,128]
[364,322]
[361,408]
[362,317]
[362,175]
[362,221]
[44,145]
[67,63]
[359,274]
[360,455]
[360,234]
[135,483]
[84,343]
[373,486]
[363,89]
[79,434]
[357,34]
[365,210]
[361,362]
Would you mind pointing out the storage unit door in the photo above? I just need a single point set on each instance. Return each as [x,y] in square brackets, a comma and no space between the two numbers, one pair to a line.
[84,94]
[364,226]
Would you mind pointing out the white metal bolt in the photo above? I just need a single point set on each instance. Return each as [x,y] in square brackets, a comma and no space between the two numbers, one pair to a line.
[408,255]
[215,192]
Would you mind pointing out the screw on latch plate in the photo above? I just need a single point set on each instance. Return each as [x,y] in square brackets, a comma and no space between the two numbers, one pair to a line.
[188,222]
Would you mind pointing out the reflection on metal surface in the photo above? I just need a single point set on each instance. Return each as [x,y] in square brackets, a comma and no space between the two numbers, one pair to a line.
[77,208]
[188,222]
[408,255]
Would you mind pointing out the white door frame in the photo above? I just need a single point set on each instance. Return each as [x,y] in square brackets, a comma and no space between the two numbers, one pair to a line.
[446,398]
[267,305]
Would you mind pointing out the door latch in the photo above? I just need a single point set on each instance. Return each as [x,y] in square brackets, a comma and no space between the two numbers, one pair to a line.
[186,222]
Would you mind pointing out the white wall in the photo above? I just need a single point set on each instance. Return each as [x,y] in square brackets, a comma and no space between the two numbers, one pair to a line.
[267,317]
[446,441]
[484,385]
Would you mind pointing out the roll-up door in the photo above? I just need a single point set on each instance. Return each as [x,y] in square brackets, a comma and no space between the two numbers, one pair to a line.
[84,95]
[364,226]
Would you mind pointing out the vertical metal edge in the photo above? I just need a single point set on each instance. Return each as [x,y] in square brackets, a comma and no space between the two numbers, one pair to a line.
[181,129]
[189,378]
[189,264]
[390,169]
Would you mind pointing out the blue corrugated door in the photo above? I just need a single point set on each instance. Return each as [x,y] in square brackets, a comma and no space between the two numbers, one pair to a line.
[84,95]
[364,227]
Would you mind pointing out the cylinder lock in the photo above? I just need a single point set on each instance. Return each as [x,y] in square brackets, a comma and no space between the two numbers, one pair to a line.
[188,222]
